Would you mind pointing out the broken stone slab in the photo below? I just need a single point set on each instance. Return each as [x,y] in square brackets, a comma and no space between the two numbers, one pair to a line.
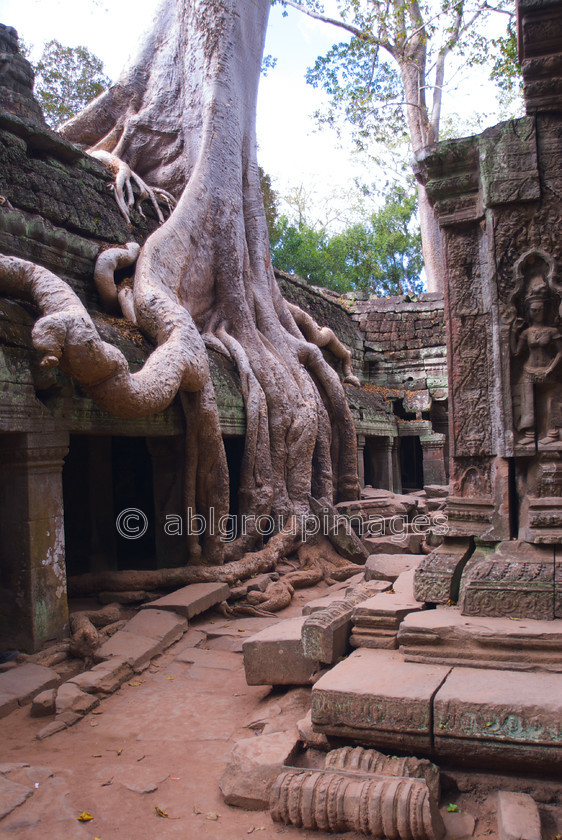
[104,678]
[43,704]
[444,635]
[221,659]
[394,544]
[374,698]
[157,624]
[61,722]
[191,600]
[275,656]
[499,718]
[12,794]
[390,566]
[438,576]
[25,681]
[8,704]
[253,765]
[518,816]
[70,698]
[339,531]
[361,760]
[143,637]
[380,806]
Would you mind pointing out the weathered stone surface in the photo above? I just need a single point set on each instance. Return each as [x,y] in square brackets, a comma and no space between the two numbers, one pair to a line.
[499,718]
[308,736]
[191,600]
[8,704]
[458,825]
[105,677]
[43,704]
[361,760]
[389,566]
[275,656]
[222,659]
[518,817]
[253,765]
[12,794]
[375,698]
[516,580]
[445,636]
[70,698]
[378,807]
[25,681]
[438,575]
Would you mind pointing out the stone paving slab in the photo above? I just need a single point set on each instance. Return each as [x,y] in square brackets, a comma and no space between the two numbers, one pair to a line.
[157,624]
[518,817]
[499,718]
[104,678]
[222,659]
[136,650]
[390,566]
[275,656]
[375,698]
[12,794]
[8,704]
[191,600]
[25,681]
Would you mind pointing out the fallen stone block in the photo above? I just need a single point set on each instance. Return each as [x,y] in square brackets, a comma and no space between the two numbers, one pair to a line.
[390,566]
[61,722]
[438,576]
[253,765]
[191,600]
[70,698]
[104,678]
[518,817]
[361,760]
[309,737]
[458,824]
[377,620]
[499,718]
[12,794]
[380,806]
[375,698]
[136,650]
[275,656]
[25,681]
[43,704]
[325,633]
[157,624]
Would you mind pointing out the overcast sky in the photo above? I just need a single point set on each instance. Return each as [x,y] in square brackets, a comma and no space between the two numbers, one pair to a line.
[291,150]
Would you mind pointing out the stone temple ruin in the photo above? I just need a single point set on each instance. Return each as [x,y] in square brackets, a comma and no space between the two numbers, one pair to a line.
[447,644]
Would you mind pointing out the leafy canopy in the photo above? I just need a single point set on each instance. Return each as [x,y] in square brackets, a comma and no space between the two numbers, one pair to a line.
[66,79]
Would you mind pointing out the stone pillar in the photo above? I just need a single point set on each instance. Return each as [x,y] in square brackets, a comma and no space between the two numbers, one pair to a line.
[387,463]
[433,459]
[396,485]
[33,604]
[167,455]
[361,460]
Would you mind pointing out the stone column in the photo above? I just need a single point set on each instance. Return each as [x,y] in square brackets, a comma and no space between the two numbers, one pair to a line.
[396,485]
[361,460]
[433,459]
[167,455]
[33,604]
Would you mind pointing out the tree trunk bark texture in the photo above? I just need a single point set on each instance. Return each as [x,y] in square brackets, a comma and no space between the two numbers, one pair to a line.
[184,119]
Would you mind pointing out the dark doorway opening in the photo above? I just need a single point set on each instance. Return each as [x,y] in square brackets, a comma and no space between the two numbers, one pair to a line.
[411,463]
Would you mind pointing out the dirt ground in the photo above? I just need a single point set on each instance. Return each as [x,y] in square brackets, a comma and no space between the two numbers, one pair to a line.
[147,761]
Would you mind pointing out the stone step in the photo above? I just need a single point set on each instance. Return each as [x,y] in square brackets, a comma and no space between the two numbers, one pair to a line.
[20,685]
[377,620]
[275,656]
[375,698]
[449,638]
[143,637]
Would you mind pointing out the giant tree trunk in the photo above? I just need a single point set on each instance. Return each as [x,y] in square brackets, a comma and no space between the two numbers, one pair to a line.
[184,119]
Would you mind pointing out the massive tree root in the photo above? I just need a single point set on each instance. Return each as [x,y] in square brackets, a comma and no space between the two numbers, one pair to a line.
[184,118]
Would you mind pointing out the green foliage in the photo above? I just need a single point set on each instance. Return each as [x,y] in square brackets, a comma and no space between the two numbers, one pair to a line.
[381,254]
[270,199]
[66,79]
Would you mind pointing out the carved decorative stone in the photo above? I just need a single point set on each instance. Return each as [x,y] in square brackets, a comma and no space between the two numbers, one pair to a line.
[377,807]
[361,760]
[325,633]
[516,580]
[540,53]
[437,578]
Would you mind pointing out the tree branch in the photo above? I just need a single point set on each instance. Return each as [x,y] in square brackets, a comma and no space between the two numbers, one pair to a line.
[359,33]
